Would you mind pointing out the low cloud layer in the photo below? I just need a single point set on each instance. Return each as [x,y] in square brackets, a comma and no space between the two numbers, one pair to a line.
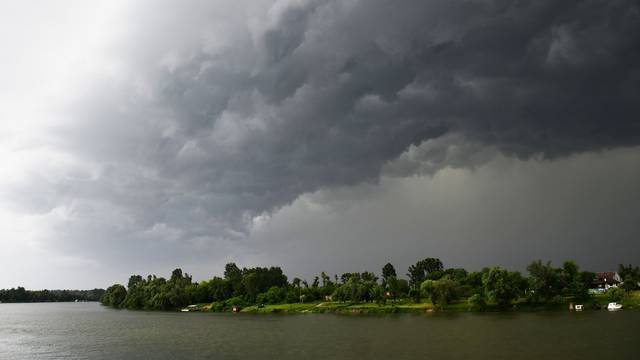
[506,212]
[201,119]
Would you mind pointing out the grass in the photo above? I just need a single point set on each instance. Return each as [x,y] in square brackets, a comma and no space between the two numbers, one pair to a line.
[341,308]
[631,301]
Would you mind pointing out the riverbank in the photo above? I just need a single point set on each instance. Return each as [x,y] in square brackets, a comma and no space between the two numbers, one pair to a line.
[631,301]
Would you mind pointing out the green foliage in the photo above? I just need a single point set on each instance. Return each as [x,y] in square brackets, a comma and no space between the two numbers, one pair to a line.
[426,288]
[135,296]
[545,281]
[219,289]
[217,306]
[293,296]
[261,285]
[235,301]
[357,288]
[275,295]
[159,294]
[233,275]
[21,295]
[418,273]
[442,291]
[397,288]
[502,286]
[378,294]
[630,277]
[576,282]
[114,296]
[257,280]
[473,281]
[328,286]
[477,302]
[414,294]
[388,272]
[616,294]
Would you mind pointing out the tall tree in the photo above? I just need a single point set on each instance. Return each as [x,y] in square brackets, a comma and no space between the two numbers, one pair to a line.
[419,272]
[233,275]
[388,271]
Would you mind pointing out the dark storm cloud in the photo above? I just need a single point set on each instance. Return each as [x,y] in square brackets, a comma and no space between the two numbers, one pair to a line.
[505,213]
[219,112]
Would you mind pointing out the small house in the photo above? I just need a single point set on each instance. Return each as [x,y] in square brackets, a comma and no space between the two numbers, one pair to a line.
[606,280]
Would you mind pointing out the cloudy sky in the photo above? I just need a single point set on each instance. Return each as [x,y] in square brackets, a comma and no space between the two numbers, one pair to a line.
[319,135]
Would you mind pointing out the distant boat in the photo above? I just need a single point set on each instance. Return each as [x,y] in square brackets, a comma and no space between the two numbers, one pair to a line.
[614,306]
[190,308]
[579,307]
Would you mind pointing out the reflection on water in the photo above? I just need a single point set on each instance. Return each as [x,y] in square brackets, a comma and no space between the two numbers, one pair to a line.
[90,331]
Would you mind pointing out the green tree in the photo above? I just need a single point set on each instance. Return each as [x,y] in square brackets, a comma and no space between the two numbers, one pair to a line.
[576,282]
[418,272]
[135,294]
[378,294]
[502,286]
[440,292]
[114,296]
[630,276]
[258,280]
[388,271]
[233,275]
[545,282]
[356,289]
[275,295]
[219,289]
[328,287]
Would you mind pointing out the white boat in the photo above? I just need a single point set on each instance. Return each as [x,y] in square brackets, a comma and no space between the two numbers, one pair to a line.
[614,306]
[579,307]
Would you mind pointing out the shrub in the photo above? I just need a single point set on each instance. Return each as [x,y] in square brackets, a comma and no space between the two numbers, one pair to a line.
[615,294]
[477,302]
[235,301]
[274,295]
[217,306]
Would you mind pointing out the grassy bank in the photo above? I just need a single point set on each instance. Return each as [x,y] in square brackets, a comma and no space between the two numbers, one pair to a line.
[341,308]
[631,301]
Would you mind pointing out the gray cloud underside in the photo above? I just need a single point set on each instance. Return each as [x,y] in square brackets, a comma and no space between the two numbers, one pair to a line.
[506,212]
[219,112]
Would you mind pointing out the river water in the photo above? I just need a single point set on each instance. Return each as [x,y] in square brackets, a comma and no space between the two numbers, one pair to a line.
[91,331]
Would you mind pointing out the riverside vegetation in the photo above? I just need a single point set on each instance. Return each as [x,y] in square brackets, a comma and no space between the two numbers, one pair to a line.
[430,286]
[21,295]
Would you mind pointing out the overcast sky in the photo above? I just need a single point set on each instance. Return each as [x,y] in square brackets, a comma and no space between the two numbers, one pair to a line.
[319,135]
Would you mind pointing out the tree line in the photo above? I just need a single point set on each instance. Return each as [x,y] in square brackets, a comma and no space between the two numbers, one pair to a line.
[21,295]
[426,279]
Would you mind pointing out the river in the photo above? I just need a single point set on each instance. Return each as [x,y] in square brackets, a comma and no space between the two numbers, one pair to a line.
[91,331]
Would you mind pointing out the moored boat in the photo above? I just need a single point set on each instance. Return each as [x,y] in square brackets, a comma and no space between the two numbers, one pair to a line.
[614,306]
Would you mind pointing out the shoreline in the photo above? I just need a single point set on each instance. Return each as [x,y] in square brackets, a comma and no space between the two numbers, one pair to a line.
[599,303]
